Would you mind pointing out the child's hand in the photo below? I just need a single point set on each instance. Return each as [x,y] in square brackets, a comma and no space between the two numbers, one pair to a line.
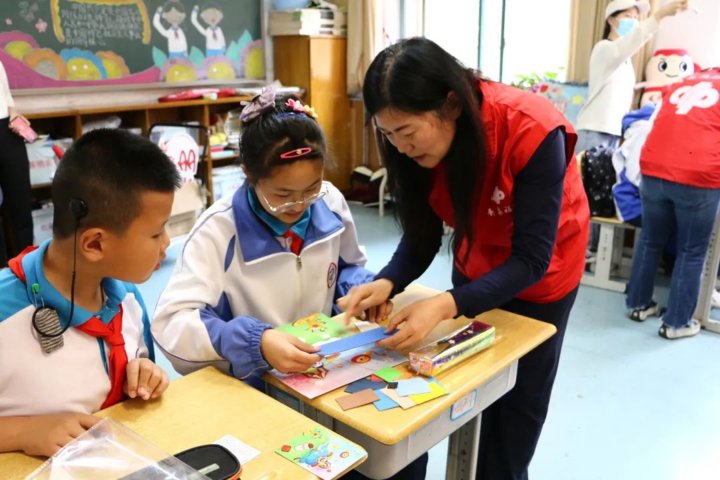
[44,435]
[144,379]
[287,353]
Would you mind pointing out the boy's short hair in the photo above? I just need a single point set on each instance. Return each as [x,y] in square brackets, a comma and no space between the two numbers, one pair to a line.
[109,169]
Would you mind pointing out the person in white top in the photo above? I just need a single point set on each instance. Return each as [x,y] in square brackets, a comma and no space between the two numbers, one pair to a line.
[172,12]
[612,77]
[214,38]
[14,180]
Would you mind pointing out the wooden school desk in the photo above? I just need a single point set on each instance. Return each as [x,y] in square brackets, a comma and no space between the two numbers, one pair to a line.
[198,409]
[394,438]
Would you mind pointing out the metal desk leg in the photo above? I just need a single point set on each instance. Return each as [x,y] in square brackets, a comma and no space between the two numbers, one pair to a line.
[702,310]
[463,451]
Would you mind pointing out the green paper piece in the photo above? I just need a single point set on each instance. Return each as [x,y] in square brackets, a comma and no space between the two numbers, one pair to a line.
[389,374]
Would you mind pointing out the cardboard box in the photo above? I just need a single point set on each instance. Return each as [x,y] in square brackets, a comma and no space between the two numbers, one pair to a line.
[42,224]
[187,206]
[43,161]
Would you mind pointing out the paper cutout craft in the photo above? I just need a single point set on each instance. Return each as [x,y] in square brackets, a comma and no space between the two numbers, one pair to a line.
[436,390]
[364,384]
[384,402]
[339,370]
[358,399]
[322,453]
[412,386]
[375,378]
[353,341]
[404,402]
[392,385]
[389,374]
[314,328]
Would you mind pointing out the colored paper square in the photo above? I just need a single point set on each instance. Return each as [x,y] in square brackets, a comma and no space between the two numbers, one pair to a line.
[364,384]
[389,374]
[357,399]
[404,402]
[436,390]
[412,386]
[385,402]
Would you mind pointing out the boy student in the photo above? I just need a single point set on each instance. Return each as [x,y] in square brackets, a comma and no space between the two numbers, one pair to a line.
[112,193]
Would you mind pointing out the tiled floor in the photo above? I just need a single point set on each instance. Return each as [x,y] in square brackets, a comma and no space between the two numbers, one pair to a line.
[626,404]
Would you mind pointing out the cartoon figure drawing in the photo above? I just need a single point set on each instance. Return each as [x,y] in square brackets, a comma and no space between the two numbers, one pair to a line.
[666,66]
[312,323]
[214,38]
[172,12]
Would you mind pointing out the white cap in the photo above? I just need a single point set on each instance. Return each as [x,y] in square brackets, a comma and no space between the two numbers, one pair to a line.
[620,5]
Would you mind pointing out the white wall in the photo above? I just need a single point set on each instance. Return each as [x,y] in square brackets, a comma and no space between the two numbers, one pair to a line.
[698,33]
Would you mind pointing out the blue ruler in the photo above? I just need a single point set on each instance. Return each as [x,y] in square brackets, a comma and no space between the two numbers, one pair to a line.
[354,341]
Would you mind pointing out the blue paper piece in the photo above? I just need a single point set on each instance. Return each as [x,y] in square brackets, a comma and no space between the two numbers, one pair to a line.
[412,386]
[385,402]
[353,341]
[364,384]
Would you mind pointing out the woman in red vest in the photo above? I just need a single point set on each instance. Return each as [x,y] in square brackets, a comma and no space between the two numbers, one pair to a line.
[680,190]
[495,163]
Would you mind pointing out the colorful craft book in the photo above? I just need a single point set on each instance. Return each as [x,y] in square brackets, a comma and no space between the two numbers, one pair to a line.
[322,453]
[452,349]
[314,328]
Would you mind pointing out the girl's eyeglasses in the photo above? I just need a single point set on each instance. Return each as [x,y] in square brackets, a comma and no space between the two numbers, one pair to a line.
[284,207]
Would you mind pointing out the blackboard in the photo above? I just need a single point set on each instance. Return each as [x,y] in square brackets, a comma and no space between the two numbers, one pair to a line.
[76,43]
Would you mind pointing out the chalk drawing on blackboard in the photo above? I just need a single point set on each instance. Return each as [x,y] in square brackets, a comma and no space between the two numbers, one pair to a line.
[173,12]
[82,65]
[212,15]
[84,24]
[46,62]
[113,42]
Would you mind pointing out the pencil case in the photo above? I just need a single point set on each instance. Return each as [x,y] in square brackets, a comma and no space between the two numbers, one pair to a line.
[452,349]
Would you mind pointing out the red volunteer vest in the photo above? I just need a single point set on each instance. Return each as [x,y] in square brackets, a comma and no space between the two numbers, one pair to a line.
[684,143]
[515,123]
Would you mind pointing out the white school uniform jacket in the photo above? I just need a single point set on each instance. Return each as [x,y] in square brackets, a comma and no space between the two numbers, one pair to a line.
[73,378]
[235,279]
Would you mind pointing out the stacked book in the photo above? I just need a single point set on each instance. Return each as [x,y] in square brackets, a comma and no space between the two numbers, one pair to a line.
[307,21]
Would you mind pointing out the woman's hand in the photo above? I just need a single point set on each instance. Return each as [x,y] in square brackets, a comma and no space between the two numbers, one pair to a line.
[671,8]
[416,321]
[370,300]
[286,353]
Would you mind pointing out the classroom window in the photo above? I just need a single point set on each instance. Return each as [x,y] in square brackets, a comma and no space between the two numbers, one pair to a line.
[503,38]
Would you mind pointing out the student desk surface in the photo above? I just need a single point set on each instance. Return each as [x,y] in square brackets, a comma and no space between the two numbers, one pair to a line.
[198,409]
[515,336]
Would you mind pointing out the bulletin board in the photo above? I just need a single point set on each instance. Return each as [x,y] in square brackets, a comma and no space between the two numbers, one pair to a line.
[78,43]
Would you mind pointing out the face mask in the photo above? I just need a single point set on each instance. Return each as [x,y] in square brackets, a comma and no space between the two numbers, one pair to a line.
[625,26]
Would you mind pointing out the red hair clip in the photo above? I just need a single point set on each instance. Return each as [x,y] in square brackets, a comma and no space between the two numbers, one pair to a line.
[296,153]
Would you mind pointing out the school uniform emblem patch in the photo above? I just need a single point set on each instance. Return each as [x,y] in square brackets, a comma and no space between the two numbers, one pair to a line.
[331,274]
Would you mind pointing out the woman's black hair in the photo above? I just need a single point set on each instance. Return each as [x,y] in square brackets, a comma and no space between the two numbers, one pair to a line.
[277,130]
[416,76]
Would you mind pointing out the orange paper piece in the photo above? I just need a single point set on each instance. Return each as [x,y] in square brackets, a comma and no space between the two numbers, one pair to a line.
[358,399]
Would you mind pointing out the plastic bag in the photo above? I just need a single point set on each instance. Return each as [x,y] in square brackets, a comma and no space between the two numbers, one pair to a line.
[110,450]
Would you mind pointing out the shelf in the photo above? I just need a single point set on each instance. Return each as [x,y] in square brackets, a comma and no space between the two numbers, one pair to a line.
[230,156]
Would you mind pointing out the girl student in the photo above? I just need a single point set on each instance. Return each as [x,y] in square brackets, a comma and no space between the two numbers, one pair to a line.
[282,247]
